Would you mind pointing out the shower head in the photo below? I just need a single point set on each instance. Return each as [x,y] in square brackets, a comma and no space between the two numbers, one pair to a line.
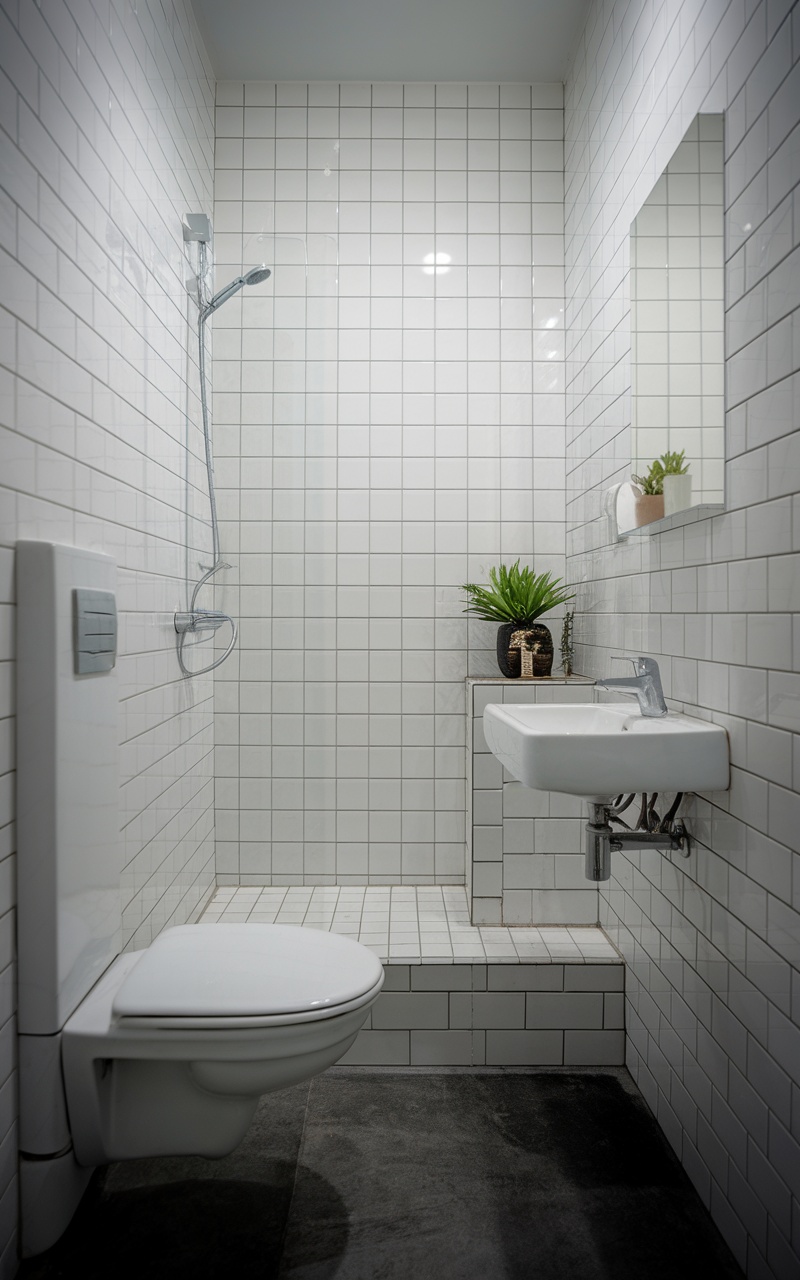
[256,275]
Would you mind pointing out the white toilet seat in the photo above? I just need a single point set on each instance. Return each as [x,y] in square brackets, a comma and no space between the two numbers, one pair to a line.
[218,976]
[196,1025]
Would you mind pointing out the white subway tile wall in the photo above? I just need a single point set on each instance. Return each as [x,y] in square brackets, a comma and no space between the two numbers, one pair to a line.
[106,140]
[389,423]
[711,943]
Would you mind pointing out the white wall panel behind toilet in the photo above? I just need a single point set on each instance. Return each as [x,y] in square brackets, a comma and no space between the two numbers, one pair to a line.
[69,868]
[69,863]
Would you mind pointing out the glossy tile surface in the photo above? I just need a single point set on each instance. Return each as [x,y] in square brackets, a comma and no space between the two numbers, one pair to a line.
[406,924]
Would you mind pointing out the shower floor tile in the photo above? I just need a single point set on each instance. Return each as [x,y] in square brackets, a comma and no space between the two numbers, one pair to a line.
[416,1175]
[403,924]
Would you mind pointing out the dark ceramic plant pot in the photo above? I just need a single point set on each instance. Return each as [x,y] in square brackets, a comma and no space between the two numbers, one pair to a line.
[508,660]
[538,643]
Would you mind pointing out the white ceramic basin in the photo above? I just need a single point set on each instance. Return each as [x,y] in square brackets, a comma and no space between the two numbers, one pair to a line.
[604,749]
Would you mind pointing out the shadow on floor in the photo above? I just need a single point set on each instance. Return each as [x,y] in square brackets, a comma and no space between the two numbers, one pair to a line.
[408,1176]
[201,1229]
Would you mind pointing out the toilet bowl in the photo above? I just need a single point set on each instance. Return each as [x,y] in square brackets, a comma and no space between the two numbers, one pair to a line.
[171,1050]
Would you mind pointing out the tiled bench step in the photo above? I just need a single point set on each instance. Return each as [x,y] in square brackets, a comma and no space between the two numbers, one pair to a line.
[496,1015]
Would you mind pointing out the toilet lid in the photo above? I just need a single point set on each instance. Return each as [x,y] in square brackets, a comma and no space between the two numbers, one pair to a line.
[245,970]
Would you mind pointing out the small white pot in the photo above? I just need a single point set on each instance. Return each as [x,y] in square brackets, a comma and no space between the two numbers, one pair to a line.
[677,493]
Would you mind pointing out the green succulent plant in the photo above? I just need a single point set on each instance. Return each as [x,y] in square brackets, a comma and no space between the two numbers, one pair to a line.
[515,595]
[674,464]
[669,464]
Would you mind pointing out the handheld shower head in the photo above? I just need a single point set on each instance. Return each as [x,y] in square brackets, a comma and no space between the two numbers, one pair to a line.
[256,275]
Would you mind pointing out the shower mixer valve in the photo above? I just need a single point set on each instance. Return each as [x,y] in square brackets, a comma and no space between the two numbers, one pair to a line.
[200,620]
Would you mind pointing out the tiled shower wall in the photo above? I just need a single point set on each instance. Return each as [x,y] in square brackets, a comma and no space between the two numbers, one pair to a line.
[388,424]
[106,137]
[712,943]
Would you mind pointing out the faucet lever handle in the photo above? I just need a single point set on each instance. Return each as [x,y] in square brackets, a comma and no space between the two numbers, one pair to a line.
[620,657]
[642,665]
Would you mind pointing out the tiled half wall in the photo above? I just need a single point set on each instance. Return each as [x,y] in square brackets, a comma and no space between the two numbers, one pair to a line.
[525,861]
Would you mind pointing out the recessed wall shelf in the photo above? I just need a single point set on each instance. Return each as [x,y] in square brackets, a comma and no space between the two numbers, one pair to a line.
[689,516]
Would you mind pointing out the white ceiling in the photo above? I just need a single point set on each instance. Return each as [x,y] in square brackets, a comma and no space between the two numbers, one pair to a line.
[511,40]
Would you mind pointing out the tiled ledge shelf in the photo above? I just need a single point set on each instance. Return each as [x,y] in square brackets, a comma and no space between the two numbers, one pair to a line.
[524,860]
[407,924]
[538,682]
[457,994]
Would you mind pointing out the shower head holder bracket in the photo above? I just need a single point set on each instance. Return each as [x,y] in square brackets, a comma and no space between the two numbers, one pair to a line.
[197,226]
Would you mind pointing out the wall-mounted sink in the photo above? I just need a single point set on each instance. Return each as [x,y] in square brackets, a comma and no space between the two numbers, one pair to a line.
[600,750]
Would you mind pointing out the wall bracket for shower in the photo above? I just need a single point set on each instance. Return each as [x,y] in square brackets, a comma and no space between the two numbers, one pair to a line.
[197,226]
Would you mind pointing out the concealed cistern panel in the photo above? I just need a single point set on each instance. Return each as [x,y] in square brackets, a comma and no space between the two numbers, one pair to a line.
[69,863]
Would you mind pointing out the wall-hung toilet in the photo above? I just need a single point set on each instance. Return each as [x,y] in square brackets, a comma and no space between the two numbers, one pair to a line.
[155,1052]
[171,1050]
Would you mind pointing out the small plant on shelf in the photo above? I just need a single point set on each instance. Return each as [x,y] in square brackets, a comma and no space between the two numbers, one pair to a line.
[671,470]
[669,464]
[515,598]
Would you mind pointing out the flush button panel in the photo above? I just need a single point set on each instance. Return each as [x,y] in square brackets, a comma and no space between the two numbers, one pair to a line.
[94,630]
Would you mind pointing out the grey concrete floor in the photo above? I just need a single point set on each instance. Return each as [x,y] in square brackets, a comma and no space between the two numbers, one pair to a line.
[409,1175]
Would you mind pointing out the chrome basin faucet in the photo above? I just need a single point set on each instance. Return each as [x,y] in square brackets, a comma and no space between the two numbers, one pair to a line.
[644,685]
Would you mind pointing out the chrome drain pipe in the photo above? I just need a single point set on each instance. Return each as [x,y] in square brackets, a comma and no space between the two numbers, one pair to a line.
[602,839]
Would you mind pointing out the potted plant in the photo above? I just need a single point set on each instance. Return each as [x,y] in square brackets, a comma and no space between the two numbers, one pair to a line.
[655,492]
[648,503]
[677,483]
[515,599]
